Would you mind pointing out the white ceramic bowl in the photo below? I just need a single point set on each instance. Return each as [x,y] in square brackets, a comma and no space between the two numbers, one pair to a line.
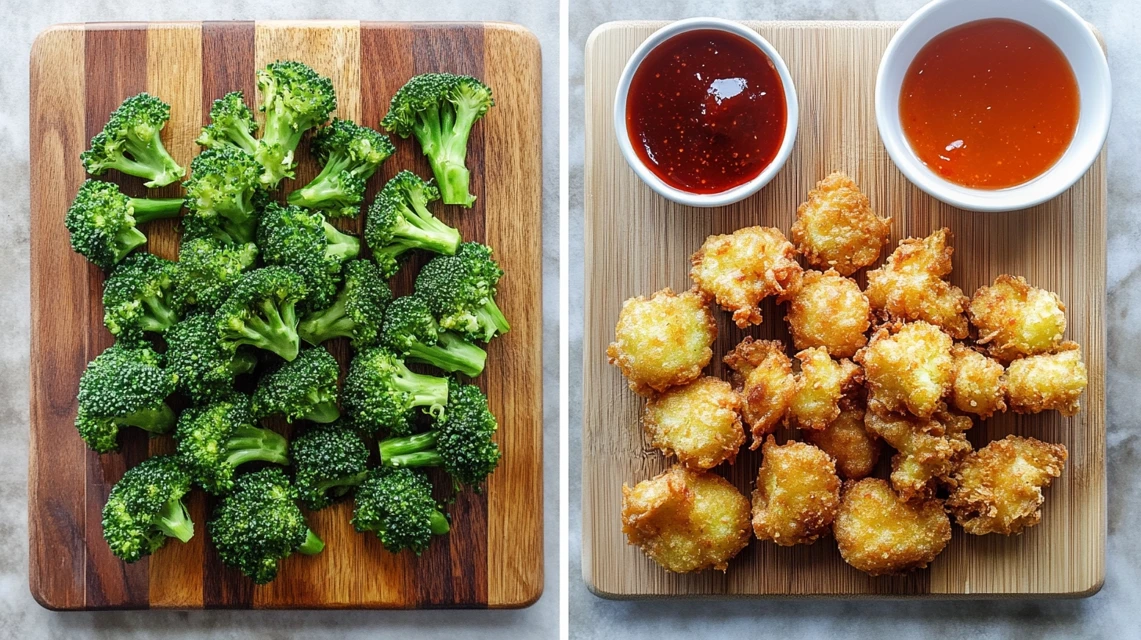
[735,194]
[1077,42]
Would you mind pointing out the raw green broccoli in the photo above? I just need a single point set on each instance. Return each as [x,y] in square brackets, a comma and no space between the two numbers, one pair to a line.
[139,296]
[103,221]
[329,461]
[439,109]
[145,508]
[295,98]
[305,242]
[410,330]
[261,312]
[356,313]
[398,506]
[125,386]
[260,524]
[381,393]
[208,269]
[232,125]
[223,194]
[399,221]
[350,154]
[131,142]
[215,439]
[205,369]
[460,442]
[460,291]
[304,389]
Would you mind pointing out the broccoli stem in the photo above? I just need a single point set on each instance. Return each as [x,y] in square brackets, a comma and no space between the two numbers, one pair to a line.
[453,179]
[418,459]
[312,545]
[147,209]
[248,444]
[323,412]
[333,322]
[427,232]
[341,246]
[159,419]
[404,445]
[324,187]
[159,317]
[341,486]
[127,241]
[174,521]
[242,363]
[275,332]
[154,161]
[438,523]
[492,320]
[426,390]
[452,354]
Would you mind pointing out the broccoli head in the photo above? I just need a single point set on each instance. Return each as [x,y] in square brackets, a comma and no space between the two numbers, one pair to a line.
[223,193]
[205,369]
[460,291]
[350,154]
[145,508]
[304,389]
[398,506]
[305,242]
[329,460]
[131,142]
[102,221]
[215,439]
[125,386]
[381,393]
[439,109]
[232,125]
[356,313]
[139,296]
[295,98]
[399,221]
[261,312]
[208,269]
[410,330]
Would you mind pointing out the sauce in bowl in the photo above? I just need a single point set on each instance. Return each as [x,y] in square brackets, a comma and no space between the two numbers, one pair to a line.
[706,111]
[989,104]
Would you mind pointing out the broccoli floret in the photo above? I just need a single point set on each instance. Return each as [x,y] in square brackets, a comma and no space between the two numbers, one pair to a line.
[125,386]
[357,312]
[232,125]
[295,98]
[410,330]
[460,442]
[350,154]
[259,524]
[397,505]
[208,269]
[102,221]
[223,193]
[304,389]
[439,109]
[261,312]
[305,242]
[131,142]
[139,296]
[145,508]
[381,393]
[460,291]
[399,221]
[329,460]
[205,369]
[215,439]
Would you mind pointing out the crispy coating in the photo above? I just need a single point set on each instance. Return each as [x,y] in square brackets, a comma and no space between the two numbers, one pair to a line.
[763,374]
[979,387]
[855,449]
[910,285]
[743,268]
[908,368]
[686,520]
[663,341]
[836,227]
[998,489]
[878,533]
[1051,381]
[820,386]
[700,423]
[928,449]
[797,494]
[1015,319]
[829,310]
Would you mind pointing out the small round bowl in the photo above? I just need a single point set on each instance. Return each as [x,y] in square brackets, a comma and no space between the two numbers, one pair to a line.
[741,191]
[1060,24]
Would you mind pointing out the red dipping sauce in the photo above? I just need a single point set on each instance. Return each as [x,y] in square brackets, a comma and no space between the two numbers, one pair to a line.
[706,111]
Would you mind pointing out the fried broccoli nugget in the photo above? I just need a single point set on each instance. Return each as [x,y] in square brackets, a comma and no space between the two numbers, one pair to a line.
[686,520]
[854,448]
[836,227]
[1051,381]
[1015,319]
[820,386]
[763,375]
[910,286]
[664,341]
[878,533]
[741,269]
[829,310]
[978,387]
[928,449]
[998,489]
[700,423]
[908,368]
[797,493]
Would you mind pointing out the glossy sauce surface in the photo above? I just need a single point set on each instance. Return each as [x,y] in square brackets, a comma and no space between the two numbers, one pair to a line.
[706,111]
[989,104]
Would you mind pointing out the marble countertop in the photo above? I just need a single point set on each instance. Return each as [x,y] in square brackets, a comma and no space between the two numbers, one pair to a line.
[1112,613]
[20,617]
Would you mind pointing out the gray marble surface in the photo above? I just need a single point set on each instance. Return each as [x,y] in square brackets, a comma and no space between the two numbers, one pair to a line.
[1112,613]
[20,617]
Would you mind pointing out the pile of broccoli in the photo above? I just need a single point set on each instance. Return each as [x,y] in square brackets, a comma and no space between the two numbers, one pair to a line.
[235,330]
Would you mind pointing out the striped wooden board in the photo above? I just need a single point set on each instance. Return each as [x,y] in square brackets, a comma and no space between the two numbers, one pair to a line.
[79,74]
[637,243]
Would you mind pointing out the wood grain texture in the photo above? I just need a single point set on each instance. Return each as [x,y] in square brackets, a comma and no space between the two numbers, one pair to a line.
[493,557]
[638,243]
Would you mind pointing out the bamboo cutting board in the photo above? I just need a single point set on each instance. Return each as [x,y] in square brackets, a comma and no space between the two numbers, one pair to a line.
[637,243]
[79,74]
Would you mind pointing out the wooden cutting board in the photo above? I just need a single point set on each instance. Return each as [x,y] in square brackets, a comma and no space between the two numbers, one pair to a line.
[79,74]
[637,243]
